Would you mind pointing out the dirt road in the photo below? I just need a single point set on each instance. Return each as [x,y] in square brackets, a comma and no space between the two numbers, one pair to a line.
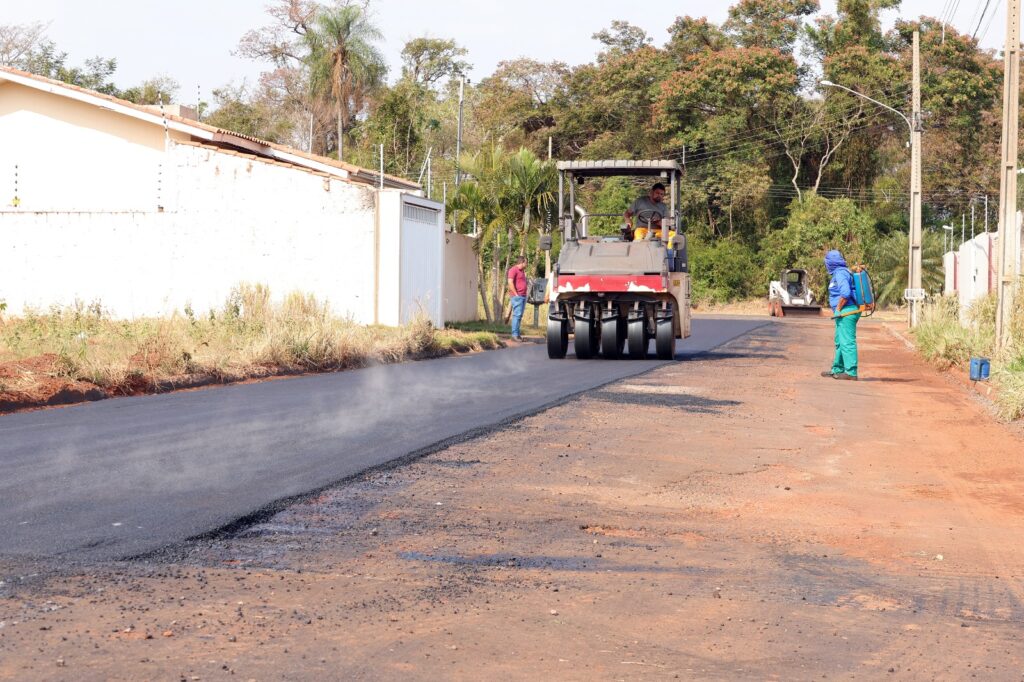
[734,516]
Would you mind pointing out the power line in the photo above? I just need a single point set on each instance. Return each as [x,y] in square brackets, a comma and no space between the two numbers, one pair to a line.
[945,11]
[756,132]
[755,145]
[995,11]
[747,142]
[980,19]
[974,14]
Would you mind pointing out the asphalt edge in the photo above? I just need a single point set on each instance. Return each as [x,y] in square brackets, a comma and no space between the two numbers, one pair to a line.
[178,551]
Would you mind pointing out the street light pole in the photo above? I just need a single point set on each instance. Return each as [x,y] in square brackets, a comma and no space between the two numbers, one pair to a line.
[914,293]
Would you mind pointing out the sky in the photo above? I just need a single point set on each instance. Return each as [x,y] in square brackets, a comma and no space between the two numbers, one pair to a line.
[192,40]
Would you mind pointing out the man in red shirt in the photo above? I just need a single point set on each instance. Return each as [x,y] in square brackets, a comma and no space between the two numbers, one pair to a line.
[517,290]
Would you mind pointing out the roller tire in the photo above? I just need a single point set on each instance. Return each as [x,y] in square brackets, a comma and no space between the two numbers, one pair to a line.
[613,338]
[558,339]
[585,341]
[638,340]
[665,340]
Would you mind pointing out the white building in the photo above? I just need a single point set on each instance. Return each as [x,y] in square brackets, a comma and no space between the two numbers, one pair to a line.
[146,212]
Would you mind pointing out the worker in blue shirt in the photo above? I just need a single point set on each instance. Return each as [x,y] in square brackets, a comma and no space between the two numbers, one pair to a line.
[842,300]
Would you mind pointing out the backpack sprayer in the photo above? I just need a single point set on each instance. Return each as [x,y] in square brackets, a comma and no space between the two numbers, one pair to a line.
[863,294]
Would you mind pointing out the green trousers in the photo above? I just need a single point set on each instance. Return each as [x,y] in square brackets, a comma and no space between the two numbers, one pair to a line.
[846,343]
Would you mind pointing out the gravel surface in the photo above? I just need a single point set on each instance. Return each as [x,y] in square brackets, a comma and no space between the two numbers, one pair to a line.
[734,516]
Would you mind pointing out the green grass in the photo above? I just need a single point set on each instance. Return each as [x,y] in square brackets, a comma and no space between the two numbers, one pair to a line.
[943,339]
[500,328]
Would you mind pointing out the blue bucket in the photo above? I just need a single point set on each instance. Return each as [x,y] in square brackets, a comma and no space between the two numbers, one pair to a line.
[980,368]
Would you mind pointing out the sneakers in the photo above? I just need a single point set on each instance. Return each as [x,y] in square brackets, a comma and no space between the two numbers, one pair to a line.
[517,339]
[828,374]
[844,377]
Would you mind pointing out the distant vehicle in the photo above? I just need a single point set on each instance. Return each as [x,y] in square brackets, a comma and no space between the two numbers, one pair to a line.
[612,294]
[790,295]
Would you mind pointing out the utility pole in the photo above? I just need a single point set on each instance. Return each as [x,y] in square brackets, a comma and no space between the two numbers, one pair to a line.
[915,294]
[458,135]
[1009,258]
[972,218]
[458,152]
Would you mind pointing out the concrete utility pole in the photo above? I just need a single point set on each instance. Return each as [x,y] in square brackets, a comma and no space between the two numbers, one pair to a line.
[458,152]
[915,294]
[458,134]
[1009,240]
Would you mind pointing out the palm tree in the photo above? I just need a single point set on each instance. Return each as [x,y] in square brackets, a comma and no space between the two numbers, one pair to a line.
[531,188]
[477,211]
[888,263]
[488,169]
[343,60]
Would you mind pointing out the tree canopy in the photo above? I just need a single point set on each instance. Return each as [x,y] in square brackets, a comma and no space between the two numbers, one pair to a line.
[777,169]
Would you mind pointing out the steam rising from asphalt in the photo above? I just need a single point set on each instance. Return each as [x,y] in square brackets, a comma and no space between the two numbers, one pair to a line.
[253,428]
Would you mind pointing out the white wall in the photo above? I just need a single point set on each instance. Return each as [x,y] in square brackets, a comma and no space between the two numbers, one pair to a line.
[949,267]
[461,278]
[116,210]
[229,219]
[975,261]
[411,257]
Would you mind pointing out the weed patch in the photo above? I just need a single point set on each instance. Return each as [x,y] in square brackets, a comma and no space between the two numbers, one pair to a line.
[249,336]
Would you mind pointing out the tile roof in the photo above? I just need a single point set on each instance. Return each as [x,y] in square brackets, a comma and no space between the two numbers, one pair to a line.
[280,152]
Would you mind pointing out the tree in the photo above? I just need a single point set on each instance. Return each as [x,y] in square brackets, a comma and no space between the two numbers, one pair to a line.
[158,90]
[521,98]
[690,37]
[343,61]
[487,169]
[477,212]
[398,121]
[256,115]
[19,41]
[772,24]
[621,39]
[889,258]
[425,61]
[815,226]
[608,108]
[531,188]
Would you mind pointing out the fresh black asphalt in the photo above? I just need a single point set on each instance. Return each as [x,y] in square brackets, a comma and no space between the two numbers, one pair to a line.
[127,476]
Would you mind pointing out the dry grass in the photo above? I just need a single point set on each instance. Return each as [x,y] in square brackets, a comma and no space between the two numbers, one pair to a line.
[250,336]
[943,339]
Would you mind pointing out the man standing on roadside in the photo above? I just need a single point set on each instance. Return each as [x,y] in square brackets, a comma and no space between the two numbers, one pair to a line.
[842,300]
[517,290]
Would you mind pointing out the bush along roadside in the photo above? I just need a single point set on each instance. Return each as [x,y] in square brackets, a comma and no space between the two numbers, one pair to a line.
[950,337]
[78,353]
